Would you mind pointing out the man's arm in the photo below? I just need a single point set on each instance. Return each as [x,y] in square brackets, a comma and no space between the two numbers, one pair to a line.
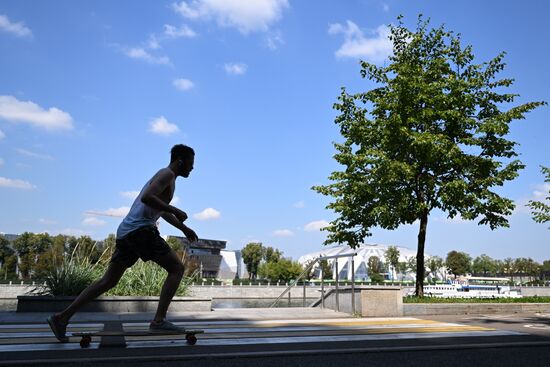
[173,220]
[158,184]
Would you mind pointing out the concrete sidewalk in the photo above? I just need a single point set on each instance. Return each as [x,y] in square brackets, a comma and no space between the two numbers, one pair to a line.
[268,337]
[221,314]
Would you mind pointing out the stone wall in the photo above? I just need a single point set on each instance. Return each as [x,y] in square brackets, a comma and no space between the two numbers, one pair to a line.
[14,290]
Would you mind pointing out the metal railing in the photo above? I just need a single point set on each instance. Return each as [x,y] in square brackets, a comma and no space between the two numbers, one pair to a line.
[309,267]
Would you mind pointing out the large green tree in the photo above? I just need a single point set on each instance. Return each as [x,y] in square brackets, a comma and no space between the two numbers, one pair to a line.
[272,255]
[540,209]
[282,269]
[484,264]
[432,135]
[392,259]
[7,258]
[434,264]
[252,256]
[458,263]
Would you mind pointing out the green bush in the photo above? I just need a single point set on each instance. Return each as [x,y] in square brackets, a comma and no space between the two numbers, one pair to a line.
[69,276]
[145,279]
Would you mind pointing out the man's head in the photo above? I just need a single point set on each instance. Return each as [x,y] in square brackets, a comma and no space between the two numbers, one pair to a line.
[183,157]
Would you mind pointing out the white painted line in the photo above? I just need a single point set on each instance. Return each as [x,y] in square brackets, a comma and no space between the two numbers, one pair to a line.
[44,347]
[285,322]
[45,326]
[322,338]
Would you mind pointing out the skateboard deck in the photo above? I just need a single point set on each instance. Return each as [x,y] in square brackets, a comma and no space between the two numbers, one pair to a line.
[86,336]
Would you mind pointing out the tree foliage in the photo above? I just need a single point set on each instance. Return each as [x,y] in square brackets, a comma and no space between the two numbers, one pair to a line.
[539,209]
[434,263]
[484,264]
[432,135]
[271,255]
[374,265]
[280,270]
[392,258]
[458,263]
[252,256]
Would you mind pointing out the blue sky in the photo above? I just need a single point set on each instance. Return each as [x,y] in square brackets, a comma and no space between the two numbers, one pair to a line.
[93,94]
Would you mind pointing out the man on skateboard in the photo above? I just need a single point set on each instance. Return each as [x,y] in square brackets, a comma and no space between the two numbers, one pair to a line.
[138,237]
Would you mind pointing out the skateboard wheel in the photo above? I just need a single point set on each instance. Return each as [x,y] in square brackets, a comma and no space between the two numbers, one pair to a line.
[191,339]
[85,341]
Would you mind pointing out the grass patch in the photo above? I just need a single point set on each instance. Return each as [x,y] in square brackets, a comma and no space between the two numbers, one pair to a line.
[533,299]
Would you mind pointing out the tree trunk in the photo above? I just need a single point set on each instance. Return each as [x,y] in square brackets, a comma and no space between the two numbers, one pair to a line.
[420,255]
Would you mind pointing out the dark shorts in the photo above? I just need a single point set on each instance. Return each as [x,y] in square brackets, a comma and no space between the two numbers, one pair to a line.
[143,243]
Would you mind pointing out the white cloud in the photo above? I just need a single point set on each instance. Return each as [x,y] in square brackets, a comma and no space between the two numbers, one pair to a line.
[375,49]
[245,15]
[299,205]
[208,213]
[132,195]
[16,184]
[141,54]
[274,40]
[457,219]
[170,33]
[154,42]
[385,7]
[13,110]
[111,212]
[539,193]
[161,126]
[47,221]
[235,69]
[73,232]
[2,135]
[183,84]
[283,233]
[28,153]
[19,29]
[183,31]
[316,225]
[93,222]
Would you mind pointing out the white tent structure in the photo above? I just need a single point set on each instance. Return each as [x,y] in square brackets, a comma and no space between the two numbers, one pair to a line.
[364,252]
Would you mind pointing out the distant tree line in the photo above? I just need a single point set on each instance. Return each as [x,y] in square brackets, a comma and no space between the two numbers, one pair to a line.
[30,255]
[459,263]
[268,263]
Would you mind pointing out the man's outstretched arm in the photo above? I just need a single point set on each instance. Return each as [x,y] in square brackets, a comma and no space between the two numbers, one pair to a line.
[173,220]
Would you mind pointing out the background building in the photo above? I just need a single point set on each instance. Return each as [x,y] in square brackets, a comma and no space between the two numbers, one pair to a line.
[364,252]
[213,260]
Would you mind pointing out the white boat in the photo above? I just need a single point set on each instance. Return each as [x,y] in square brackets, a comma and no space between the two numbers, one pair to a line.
[472,287]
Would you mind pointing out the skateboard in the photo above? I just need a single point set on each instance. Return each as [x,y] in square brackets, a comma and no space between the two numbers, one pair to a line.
[86,336]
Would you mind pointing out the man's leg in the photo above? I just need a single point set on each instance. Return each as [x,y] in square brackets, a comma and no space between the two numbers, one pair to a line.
[173,265]
[109,280]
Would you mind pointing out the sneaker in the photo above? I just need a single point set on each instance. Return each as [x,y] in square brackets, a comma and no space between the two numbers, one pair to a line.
[58,328]
[165,326]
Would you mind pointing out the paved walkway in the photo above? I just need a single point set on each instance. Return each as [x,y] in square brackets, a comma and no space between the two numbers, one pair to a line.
[25,339]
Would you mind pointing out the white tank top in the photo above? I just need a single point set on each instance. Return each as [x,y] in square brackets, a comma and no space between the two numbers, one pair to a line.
[140,215]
